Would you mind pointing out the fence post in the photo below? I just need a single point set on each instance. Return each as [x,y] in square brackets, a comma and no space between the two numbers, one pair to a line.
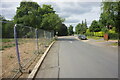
[17,49]
[36,33]
[44,35]
[50,36]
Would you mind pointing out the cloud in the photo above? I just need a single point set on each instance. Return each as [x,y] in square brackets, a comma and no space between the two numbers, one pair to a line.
[76,7]
[8,4]
[75,12]
[68,20]
[8,13]
[8,9]
[54,0]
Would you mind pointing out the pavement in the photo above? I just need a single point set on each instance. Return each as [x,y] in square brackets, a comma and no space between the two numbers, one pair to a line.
[50,66]
[72,58]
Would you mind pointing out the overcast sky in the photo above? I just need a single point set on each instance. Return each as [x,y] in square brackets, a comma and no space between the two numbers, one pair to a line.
[72,11]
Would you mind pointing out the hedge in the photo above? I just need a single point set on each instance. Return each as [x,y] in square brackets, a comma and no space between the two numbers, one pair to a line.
[113,35]
[97,34]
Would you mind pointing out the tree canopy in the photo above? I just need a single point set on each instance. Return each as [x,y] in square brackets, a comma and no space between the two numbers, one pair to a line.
[109,14]
[81,27]
[27,14]
[95,27]
[33,15]
[70,30]
[63,31]
[41,17]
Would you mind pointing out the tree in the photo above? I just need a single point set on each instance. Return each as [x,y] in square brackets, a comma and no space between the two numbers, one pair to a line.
[70,30]
[31,14]
[44,12]
[63,30]
[81,28]
[109,14]
[104,29]
[85,23]
[103,20]
[7,28]
[95,27]
[51,21]
[27,14]
[108,11]
[46,9]
[117,20]
[77,28]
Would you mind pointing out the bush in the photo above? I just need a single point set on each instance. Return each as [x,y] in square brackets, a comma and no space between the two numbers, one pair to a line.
[111,31]
[113,35]
[104,29]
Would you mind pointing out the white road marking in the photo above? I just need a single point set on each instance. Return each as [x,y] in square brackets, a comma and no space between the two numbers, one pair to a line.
[85,40]
[70,41]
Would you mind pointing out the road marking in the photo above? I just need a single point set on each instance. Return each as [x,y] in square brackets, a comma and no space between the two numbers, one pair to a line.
[85,40]
[70,41]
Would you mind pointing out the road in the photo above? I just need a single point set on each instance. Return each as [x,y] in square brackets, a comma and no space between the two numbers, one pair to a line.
[71,58]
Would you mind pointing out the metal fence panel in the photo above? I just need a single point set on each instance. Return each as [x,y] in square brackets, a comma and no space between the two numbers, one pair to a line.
[28,43]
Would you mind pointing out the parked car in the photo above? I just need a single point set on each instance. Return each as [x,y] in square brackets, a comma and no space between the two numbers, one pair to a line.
[82,37]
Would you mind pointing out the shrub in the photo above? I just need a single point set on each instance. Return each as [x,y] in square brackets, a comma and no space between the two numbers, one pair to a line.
[111,31]
[88,30]
[113,35]
[104,29]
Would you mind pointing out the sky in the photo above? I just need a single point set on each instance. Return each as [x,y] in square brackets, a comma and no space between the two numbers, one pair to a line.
[73,11]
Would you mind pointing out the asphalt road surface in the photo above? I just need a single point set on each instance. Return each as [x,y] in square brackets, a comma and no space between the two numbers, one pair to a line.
[71,58]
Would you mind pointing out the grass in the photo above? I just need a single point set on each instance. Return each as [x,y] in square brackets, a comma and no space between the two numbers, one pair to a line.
[101,41]
[114,44]
[94,37]
[7,43]
[7,46]
[5,40]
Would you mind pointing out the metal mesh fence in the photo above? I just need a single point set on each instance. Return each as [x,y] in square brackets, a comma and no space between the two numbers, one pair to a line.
[0,51]
[28,45]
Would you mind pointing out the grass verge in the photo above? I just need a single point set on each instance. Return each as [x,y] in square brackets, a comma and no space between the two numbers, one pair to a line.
[114,44]
[94,37]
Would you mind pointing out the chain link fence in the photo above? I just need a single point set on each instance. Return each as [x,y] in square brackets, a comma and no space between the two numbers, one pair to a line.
[24,49]
[0,51]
